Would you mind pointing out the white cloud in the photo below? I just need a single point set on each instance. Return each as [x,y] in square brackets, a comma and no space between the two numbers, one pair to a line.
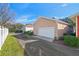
[24,16]
[64,5]
[24,19]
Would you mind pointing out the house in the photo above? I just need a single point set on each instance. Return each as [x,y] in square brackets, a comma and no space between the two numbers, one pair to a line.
[50,28]
[28,27]
[75,19]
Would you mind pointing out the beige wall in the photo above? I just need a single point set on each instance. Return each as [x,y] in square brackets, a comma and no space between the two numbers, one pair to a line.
[62,28]
[41,22]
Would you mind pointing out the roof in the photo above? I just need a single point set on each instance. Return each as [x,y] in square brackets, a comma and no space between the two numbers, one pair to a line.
[56,20]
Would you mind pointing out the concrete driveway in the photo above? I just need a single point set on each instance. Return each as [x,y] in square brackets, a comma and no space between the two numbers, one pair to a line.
[35,46]
[51,48]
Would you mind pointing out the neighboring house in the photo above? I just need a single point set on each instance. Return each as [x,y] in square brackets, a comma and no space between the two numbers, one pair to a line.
[28,27]
[75,19]
[50,28]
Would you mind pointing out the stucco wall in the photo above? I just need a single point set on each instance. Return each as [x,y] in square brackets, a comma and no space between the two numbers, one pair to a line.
[43,23]
[28,29]
[60,28]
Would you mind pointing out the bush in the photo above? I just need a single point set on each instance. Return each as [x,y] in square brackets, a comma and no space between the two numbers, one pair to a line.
[12,30]
[71,41]
[28,32]
[18,31]
[73,34]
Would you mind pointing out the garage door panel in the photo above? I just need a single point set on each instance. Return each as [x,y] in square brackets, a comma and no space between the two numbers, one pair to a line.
[47,32]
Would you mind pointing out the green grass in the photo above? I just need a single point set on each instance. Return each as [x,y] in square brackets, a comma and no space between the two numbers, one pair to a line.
[11,47]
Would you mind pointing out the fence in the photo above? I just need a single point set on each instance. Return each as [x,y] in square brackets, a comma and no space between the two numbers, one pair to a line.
[3,35]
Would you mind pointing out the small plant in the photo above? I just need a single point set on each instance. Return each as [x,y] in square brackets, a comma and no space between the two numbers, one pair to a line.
[71,41]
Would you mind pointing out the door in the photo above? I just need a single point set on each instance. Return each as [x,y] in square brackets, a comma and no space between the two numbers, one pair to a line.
[48,32]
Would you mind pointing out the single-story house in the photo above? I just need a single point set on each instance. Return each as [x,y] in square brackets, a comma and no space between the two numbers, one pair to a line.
[50,28]
[28,27]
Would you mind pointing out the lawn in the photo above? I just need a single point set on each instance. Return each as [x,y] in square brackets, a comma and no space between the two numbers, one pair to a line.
[11,47]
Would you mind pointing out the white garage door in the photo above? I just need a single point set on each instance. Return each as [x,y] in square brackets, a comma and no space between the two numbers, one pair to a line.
[47,32]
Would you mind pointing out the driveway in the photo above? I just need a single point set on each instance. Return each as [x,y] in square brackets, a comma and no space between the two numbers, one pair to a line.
[51,48]
[23,40]
[36,46]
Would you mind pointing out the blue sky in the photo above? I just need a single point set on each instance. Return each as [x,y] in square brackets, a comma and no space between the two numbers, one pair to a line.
[29,12]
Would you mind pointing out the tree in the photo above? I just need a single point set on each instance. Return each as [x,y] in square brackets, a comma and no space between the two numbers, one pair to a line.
[71,23]
[17,27]
[6,15]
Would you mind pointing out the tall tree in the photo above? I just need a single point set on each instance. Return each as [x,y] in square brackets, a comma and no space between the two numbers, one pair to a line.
[6,15]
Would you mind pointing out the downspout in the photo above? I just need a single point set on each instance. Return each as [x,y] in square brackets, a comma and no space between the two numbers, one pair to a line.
[76,26]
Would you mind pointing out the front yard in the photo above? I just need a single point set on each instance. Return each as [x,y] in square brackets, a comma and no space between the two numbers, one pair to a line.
[11,47]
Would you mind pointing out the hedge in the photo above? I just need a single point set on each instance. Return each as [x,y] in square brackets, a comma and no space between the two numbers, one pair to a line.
[71,41]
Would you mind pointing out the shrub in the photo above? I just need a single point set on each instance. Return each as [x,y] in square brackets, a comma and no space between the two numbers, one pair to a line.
[73,34]
[71,41]
[12,30]
[28,32]
[18,31]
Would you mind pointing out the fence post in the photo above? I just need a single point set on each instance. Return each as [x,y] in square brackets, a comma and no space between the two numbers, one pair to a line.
[0,38]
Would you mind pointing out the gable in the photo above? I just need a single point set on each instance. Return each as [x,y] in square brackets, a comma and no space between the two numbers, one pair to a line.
[45,22]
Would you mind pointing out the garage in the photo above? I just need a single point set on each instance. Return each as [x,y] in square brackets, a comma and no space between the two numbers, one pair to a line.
[48,32]
[50,29]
